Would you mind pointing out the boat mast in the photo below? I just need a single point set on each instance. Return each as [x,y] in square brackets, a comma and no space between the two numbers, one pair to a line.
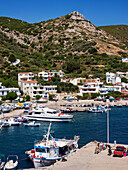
[49,131]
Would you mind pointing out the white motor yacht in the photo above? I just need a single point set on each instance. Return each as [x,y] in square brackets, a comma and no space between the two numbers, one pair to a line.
[43,113]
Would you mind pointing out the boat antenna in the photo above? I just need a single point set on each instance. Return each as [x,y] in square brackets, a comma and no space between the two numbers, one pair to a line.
[49,131]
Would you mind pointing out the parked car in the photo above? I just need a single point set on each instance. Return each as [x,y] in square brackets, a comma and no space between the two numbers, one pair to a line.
[119,151]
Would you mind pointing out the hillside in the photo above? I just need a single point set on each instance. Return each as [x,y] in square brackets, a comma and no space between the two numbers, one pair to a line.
[70,43]
[118,31]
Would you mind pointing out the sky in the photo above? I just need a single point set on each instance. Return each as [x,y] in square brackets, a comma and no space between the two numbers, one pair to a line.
[99,12]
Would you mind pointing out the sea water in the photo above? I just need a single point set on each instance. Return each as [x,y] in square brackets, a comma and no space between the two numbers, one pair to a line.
[89,126]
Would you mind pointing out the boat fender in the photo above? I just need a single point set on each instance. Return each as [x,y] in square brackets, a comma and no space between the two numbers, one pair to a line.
[54,143]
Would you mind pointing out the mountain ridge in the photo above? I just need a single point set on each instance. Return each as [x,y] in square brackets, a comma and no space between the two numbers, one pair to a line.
[55,43]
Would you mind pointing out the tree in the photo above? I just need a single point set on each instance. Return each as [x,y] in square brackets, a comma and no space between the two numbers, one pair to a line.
[86,96]
[27,98]
[12,58]
[92,50]
[123,79]
[38,97]
[4,98]
[71,66]
[50,96]
[11,96]
[115,94]
[94,95]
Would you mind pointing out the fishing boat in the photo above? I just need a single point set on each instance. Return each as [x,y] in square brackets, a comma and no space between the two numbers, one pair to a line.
[95,110]
[98,109]
[21,119]
[32,124]
[5,124]
[43,113]
[2,161]
[12,162]
[12,122]
[6,109]
[50,149]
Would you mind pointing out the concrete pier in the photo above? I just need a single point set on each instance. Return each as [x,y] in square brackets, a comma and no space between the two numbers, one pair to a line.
[86,159]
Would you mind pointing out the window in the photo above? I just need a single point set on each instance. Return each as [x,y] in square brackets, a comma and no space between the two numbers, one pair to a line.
[40,150]
[25,84]
[29,83]
[37,113]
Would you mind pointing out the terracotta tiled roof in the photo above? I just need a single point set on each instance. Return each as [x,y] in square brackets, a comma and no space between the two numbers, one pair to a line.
[29,81]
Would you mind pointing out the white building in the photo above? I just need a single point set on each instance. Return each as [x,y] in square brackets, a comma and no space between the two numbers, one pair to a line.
[44,75]
[106,89]
[59,73]
[91,87]
[16,62]
[4,91]
[32,89]
[125,60]
[25,76]
[112,78]
[122,74]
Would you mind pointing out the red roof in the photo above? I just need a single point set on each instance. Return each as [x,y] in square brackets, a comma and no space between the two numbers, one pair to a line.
[24,72]
[116,83]
[24,78]
[29,81]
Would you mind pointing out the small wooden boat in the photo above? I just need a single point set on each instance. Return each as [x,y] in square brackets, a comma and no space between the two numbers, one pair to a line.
[12,162]
[32,124]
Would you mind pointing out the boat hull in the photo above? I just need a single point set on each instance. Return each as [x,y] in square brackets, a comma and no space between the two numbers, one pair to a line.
[41,163]
[47,119]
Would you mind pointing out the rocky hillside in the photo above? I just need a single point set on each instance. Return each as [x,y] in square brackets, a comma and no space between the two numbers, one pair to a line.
[118,31]
[66,42]
[63,33]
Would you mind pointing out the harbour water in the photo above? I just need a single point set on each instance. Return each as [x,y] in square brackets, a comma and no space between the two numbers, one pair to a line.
[90,127]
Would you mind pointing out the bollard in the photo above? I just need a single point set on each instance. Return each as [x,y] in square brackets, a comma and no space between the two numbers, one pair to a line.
[114,144]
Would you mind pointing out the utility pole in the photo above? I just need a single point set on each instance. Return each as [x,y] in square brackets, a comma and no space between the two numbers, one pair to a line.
[107,126]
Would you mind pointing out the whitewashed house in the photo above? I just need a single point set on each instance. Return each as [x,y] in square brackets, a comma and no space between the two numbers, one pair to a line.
[59,73]
[32,88]
[4,91]
[25,76]
[112,78]
[44,75]
[91,86]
